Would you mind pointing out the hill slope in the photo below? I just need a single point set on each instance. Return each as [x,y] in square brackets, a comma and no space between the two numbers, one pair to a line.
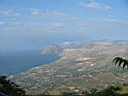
[53,49]
[79,69]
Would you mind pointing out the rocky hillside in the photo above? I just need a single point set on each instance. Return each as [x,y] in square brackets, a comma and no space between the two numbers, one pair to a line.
[90,44]
[53,49]
[90,65]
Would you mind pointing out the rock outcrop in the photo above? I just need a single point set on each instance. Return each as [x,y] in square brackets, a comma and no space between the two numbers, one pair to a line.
[53,49]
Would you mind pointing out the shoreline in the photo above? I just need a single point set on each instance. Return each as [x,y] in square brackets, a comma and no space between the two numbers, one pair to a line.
[40,66]
[13,63]
[86,66]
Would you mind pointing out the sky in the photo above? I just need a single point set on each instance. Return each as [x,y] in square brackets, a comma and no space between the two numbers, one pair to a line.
[35,24]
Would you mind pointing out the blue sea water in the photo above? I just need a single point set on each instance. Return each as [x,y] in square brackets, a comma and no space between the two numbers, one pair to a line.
[14,62]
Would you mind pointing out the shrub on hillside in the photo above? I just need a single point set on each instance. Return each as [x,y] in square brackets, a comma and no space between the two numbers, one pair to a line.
[10,88]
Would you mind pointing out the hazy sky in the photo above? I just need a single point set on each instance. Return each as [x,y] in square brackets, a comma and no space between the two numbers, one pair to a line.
[34,24]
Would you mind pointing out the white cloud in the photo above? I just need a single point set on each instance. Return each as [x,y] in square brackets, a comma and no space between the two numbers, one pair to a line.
[93,5]
[81,24]
[14,19]
[93,19]
[16,14]
[33,9]
[2,23]
[17,23]
[48,13]
[58,24]
[34,13]
[95,25]
[71,18]
[5,13]
[67,43]
[9,13]
[114,21]
[110,15]
[70,43]
[53,14]
[107,7]
[59,13]
[74,18]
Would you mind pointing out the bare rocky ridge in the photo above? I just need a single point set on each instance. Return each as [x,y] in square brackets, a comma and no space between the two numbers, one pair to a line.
[53,49]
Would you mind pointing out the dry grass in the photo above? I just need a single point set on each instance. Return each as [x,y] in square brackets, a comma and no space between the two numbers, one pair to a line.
[125,90]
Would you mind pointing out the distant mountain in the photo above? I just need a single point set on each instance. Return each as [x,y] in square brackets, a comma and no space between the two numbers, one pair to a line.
[53,49]
[90,44]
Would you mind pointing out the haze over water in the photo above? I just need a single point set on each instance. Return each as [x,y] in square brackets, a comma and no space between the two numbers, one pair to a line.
[34,24]
[15,62]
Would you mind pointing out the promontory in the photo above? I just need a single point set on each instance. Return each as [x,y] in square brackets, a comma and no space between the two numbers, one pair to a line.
[53,49]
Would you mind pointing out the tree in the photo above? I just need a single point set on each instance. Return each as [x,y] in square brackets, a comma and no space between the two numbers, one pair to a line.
[115,88]
[121,61]
[106,92]
[10,88]
[93,91]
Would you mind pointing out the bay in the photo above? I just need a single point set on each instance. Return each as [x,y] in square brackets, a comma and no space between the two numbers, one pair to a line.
[14,62]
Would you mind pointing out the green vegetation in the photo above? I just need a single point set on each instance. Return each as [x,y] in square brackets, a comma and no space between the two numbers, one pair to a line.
[115,88]
[109,91]
[125,84]
[10,88]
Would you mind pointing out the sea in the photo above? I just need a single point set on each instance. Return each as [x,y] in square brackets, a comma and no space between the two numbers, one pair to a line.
[15,62]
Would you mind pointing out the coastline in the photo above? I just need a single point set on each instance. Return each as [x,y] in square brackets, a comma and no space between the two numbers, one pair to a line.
[34,68]
[86,66]
[21,61]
